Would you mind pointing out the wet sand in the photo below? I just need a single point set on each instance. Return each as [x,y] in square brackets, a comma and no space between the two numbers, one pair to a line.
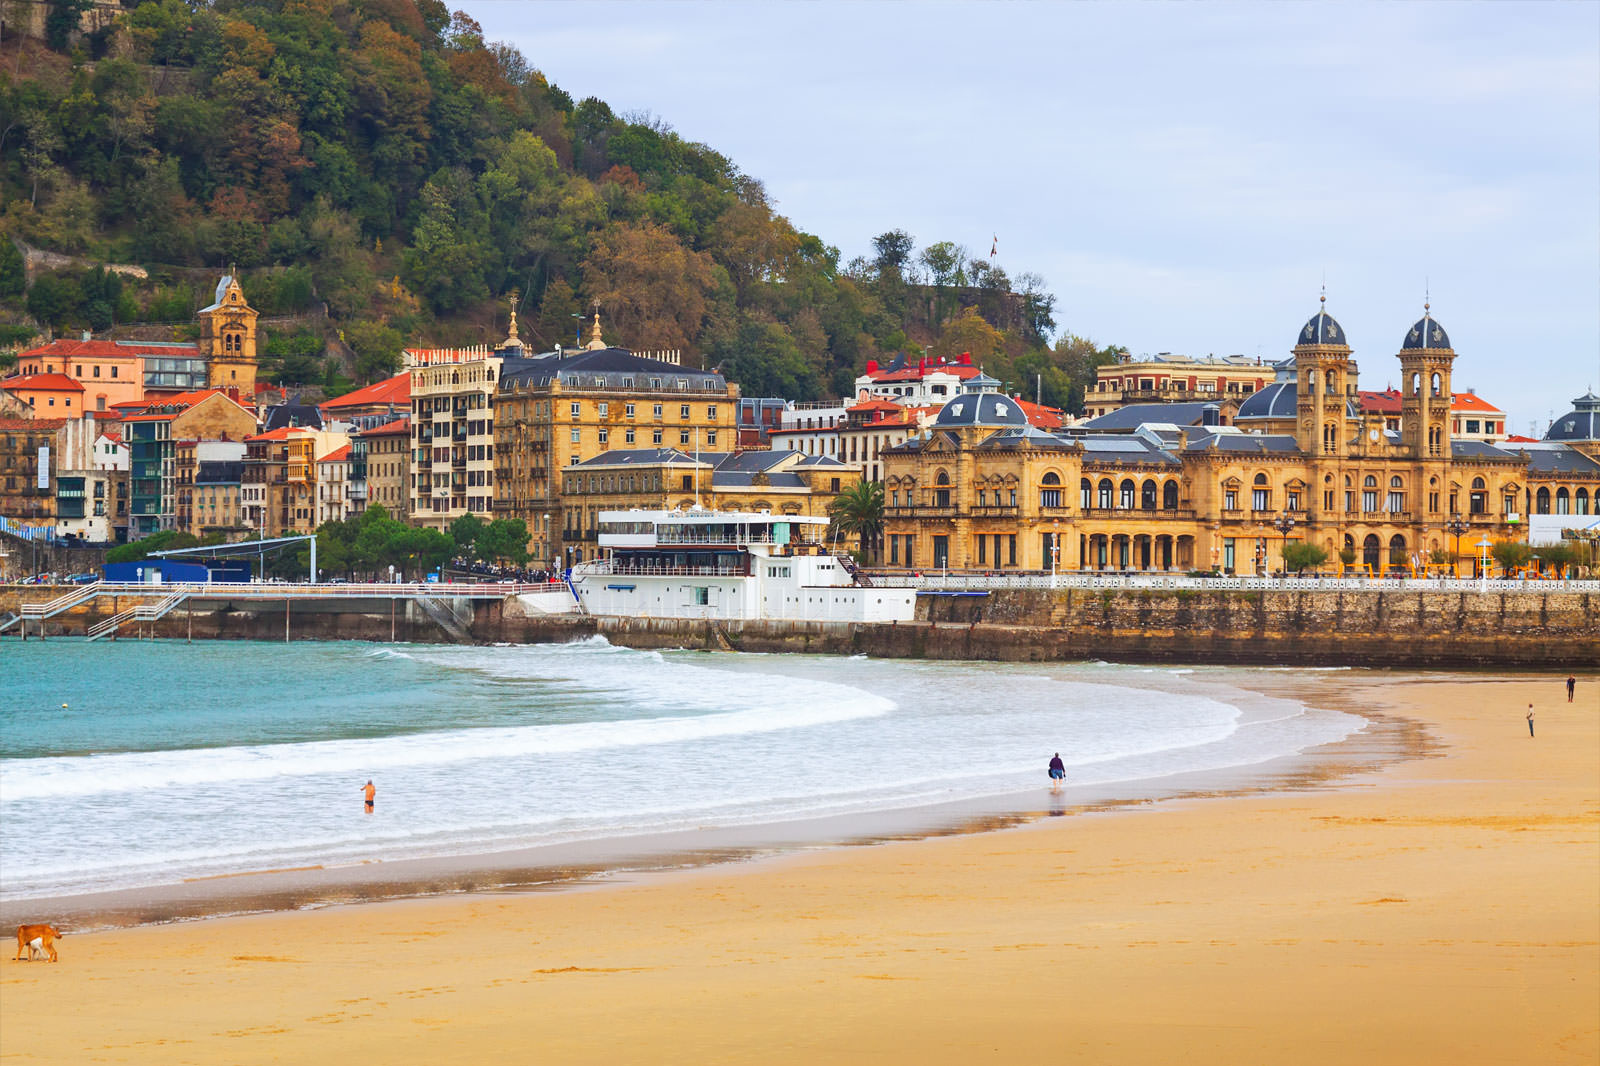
[1439,908]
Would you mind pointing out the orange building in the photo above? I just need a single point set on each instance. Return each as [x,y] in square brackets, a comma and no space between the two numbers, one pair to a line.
[48,395]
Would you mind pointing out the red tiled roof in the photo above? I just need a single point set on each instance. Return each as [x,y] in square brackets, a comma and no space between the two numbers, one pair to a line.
[1471,401]
[58,382]
[1388,402]
[874,405]
[281,433]
[113,349]
[395,390]
[338,455]
[399,427]
[112,435]
[33,423]
[911,373]
[1517,438]
[1039,415]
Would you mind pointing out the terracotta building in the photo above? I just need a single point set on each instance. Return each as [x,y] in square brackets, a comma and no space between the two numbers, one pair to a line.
[984,490]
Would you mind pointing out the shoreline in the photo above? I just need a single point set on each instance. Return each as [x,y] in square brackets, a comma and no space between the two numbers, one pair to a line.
[1382,740]
[1437,910]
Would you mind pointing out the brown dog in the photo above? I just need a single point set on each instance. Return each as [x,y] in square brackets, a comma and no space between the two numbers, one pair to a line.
[42,935]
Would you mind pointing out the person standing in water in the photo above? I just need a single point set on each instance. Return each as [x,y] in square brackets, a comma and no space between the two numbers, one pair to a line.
[369,790]
[1572,685]
[1530,719]
[1058,770]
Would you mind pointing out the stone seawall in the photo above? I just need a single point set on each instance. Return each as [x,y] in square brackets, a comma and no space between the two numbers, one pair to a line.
[1546,630]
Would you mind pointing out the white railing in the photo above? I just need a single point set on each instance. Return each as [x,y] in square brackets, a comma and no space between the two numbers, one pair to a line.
[607,567]
[957,581]
[65,602]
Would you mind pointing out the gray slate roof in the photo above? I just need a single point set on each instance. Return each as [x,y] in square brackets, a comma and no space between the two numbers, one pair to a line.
[1129,418]
[610,368]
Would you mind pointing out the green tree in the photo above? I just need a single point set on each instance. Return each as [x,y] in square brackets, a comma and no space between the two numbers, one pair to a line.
[504,540]
[1347,556]
[13,273]
[858,511]
[466,532]
[1511,555]
[139,550]
[377,349]
[1298,555]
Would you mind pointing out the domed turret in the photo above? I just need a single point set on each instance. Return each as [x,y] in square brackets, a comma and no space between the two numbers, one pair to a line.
[1582,423]
[981,409]
[1426,334]
[1322,329]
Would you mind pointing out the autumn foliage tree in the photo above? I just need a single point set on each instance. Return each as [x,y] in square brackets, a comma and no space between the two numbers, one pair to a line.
[386,143]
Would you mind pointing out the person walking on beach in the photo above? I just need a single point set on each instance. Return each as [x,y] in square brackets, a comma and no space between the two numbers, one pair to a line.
[1058,771]
[1572,686]
[1530,719]
[369,790]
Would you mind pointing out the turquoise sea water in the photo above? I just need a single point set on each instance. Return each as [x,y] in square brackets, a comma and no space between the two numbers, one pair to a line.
[172,760]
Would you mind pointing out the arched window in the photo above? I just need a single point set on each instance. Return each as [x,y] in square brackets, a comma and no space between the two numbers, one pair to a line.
[941,492]
[1311,380]
[1085,493]
[1397,550]
[1125,494]
[1050,490]
[1370,482]
[1477,483]
[1147,496]
[1582,502]
[1396,483]
[1169,496]
[1416,383]
[1542,502]
[1563,504]
[1106,489]
[1437,386]
[1261,479]
[942,478]
[1371,552]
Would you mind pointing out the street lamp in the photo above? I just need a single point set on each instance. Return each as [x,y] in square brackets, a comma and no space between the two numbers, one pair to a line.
[1457,526]
[1483,558]
[1284,523]
[1055,551]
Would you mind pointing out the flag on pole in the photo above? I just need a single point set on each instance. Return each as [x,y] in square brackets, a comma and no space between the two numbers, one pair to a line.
[995,247]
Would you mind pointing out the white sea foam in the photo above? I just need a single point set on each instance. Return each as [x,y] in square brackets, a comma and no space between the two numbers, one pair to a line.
[587,740]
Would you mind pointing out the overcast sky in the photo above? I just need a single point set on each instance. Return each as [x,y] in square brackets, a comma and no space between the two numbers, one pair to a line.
[1183,176]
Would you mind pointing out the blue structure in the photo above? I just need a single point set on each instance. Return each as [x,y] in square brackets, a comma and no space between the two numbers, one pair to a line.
[173,572]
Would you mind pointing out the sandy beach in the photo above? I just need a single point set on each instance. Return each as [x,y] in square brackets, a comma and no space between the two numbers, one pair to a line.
[1444,908]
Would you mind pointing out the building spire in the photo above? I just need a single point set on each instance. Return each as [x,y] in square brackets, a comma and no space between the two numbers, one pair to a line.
[512,339]
[595,341]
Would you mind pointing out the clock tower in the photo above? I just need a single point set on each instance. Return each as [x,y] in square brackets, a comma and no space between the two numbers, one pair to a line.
[228,340]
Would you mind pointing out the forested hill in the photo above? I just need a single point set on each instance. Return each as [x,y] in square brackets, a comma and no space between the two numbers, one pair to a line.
[381,159]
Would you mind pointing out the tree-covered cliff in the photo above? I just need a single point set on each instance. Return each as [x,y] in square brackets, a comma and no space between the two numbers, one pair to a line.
[379,157]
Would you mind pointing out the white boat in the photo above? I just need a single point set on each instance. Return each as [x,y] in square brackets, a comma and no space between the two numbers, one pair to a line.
[728,565]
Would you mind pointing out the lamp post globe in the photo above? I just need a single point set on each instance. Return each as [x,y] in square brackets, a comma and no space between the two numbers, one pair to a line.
[1284,524]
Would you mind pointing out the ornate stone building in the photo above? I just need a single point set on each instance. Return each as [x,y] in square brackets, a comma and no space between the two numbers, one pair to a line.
[555,410]
[984,490]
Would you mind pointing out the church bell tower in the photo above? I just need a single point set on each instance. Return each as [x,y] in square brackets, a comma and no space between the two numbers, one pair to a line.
[228,340]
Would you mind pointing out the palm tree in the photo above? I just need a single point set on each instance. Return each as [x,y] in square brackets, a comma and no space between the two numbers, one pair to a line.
[859,510]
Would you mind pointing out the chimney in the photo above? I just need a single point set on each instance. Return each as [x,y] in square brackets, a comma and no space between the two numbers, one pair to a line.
[966,359]
[88,336]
